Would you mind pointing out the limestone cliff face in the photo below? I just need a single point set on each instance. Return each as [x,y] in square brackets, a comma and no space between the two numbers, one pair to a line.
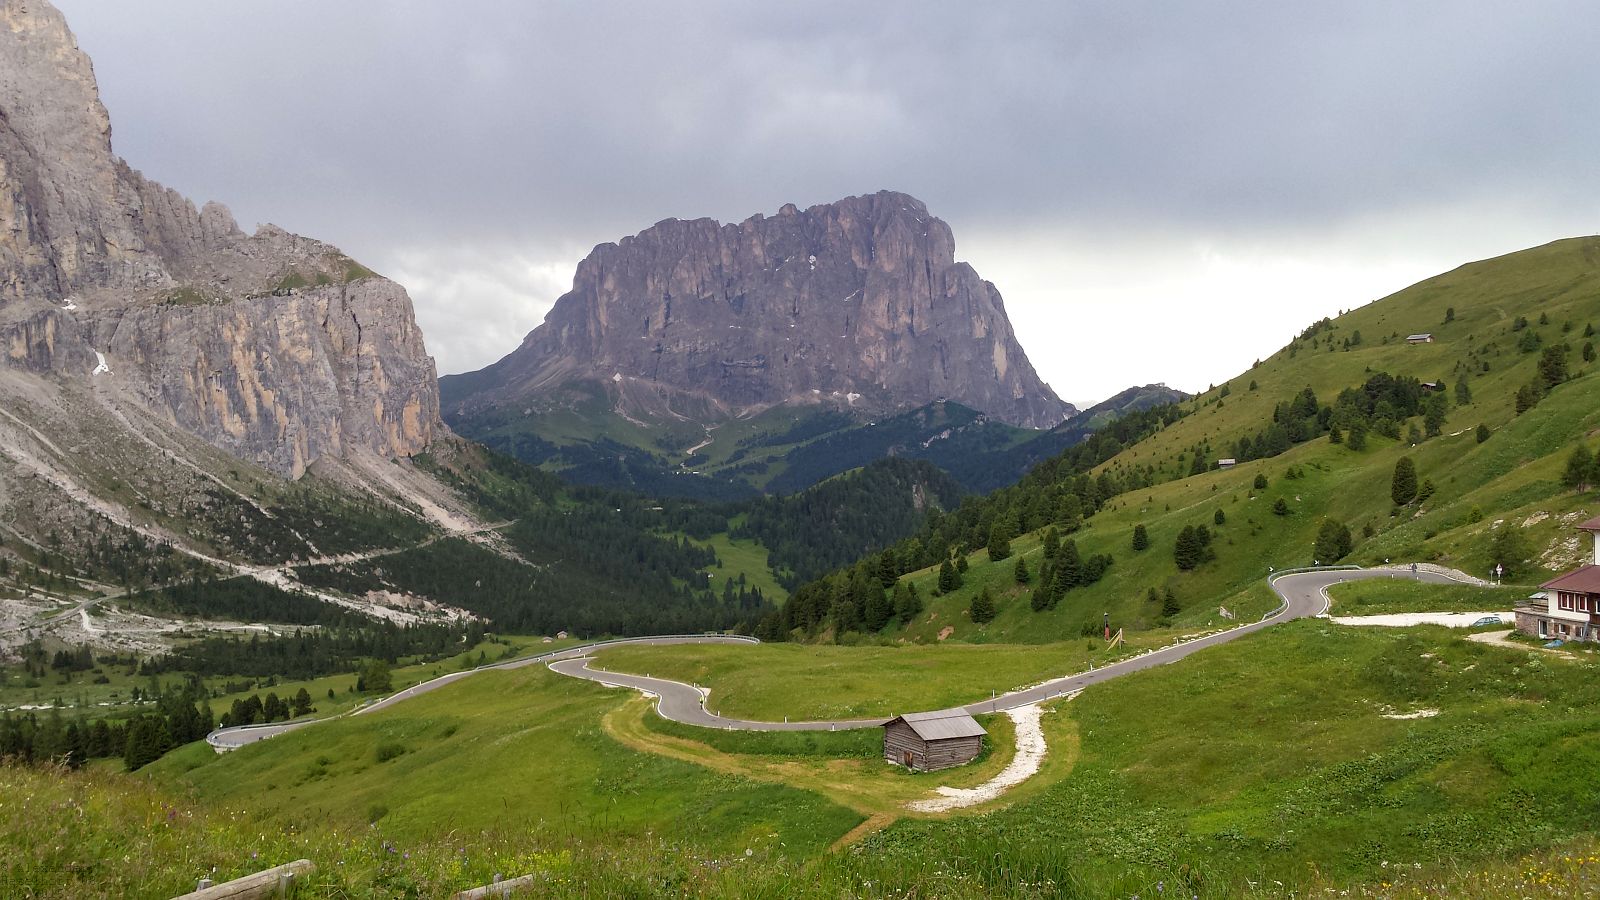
[272,346]
[859,302]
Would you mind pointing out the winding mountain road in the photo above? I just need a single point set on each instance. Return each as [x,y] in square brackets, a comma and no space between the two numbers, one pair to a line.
[1304,594]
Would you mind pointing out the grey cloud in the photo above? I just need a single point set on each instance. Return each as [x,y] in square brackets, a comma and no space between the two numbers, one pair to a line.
[391,126]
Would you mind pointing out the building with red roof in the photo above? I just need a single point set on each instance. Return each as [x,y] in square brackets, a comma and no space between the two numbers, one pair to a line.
[1567,607]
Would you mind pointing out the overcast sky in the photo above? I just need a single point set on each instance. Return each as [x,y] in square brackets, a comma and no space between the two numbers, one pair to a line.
[1161,191]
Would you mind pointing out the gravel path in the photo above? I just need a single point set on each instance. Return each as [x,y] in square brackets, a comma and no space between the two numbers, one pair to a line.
[1029,756]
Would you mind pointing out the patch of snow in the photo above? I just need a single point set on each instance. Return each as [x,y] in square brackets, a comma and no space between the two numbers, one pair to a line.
[100,363]
[851,297]
[72,304]
[852,397]
[617,377]
[1402,620]
[1030,754]
[1419,714]
[88,624]
[813,260]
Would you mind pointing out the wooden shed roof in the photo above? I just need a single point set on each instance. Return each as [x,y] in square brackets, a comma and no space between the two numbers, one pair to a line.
[940,724]
[1591,525]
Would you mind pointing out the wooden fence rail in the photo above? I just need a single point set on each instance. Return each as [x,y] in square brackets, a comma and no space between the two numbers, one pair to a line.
[278,881]
[498,889]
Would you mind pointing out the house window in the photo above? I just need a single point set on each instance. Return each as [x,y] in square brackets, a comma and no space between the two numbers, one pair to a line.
[1544,628]
[1564,600]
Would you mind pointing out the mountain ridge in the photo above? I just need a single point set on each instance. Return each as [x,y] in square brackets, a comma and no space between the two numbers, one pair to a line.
[858,303]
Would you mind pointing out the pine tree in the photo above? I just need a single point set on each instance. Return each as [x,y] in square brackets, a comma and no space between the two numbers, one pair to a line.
[1188,551]
[1169,604]
[1463,393]
[1069,566]
[1483,432]
[1403,486]
[1261,481]
[1281,507]
[948,579]
[999,542]
[983,610]
[1141,538]
[1220,517]
[1020,573]
[907,605]
[1052,542]
[1333,542]
[1580,468]
[1357,439]
[1553,365]
[878,611]
[1335,435]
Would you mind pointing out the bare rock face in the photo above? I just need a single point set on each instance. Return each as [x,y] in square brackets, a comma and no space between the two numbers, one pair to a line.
[859,302]
[274,347]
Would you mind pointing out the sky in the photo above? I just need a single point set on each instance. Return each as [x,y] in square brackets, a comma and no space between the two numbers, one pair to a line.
[1161,192]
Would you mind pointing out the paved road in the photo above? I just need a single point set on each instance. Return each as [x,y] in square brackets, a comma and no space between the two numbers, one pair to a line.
[1303,594]
[233,738]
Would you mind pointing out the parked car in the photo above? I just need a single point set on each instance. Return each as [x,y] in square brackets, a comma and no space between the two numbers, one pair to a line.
[1487,620]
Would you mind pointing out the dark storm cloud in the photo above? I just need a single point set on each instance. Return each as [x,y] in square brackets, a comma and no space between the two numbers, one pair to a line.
[432,129]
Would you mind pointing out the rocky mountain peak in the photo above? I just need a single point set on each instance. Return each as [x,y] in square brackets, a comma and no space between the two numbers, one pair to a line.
[275,347]
[859,303]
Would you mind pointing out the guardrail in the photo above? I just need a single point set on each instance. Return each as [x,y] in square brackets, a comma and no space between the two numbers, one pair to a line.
[1283,602]
[515,662]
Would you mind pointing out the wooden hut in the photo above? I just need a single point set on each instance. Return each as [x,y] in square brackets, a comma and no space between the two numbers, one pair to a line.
[932,740]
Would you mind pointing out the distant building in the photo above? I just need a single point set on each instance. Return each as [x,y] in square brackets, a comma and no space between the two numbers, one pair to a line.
[1227,463]
[1567,607]
[932,740]
[1419,339]
[561,635]
[1434,386]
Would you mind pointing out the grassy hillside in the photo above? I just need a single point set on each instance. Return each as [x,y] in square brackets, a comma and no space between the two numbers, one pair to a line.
[512,750]
[1512,479]
[1286,757]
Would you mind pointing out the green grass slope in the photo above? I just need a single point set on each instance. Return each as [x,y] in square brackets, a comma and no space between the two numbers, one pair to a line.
[509,750]
[1511,480]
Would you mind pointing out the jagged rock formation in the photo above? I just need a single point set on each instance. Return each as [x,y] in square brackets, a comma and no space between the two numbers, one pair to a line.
[859,302]
[276,348]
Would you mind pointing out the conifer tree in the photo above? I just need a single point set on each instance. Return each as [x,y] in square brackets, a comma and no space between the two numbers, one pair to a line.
[1188,550]
[1141,538]
[983,610]
[907,604]
[1483,432]
[879,610]
[948,579]
[1580,469]
[999,542]
[1020,573]
[1403,486]
[1052,542]
[1333,542]
[1220,518]
[1169,605]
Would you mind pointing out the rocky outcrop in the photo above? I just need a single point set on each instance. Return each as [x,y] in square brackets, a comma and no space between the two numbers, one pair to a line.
[859,302]
[272,346]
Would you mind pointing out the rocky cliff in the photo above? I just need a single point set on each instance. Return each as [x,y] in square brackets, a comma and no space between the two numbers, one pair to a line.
[276,348]
[859,303]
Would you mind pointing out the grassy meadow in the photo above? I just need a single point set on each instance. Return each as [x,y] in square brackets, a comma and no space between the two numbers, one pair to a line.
[824,681]
[1383,762]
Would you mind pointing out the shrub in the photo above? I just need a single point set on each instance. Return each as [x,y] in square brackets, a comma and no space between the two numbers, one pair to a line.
[388,750]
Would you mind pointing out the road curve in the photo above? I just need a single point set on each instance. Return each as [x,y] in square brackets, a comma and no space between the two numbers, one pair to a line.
[224,739]
[1304,593]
